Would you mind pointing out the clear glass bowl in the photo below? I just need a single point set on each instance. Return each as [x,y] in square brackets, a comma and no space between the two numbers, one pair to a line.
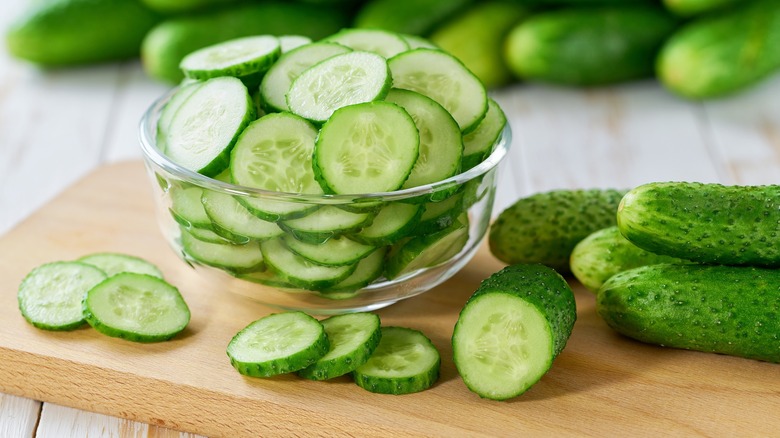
[461,205]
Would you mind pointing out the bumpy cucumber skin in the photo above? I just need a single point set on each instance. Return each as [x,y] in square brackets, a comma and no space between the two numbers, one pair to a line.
[687,8]
[416,17]
[707,223]
[731,310]
[722,53]
[545,227]
[588,47]
[70,32]
[605,253]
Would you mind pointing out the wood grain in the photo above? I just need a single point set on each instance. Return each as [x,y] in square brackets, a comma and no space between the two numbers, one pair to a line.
[601,383]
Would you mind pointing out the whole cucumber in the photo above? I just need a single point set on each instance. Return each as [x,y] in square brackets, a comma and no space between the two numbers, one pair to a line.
[721,309]
[183,6]
[588,46]
[545,227]
[723,53]
[416,17]
[71,32]
[687,8]
[166,44]
[707,223]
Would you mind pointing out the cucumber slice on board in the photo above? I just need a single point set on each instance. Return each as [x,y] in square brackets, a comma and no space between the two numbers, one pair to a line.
[169,110]
[352,337]
[300,272]
[393,222]
[339,81]
[443,78]
[511,329]
[365,148]
[238,258]
[478,144]
[237,57]
[233,221]
[136,307]
[326,222]
[338,251]
[115,263]
[277,344]
[50,295]
[405,361]
[207,125]
[384,43]
[427,250]
[368,269]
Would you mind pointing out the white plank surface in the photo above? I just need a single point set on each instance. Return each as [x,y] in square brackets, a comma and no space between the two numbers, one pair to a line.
[59,421]
[18,416]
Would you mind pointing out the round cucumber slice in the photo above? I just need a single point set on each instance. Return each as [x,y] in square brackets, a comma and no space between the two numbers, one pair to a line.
[115,263]
[368,269]
[338,251]
[300,272]
[384,43]
[291,42]
[186,207]
[393,222]
[237,57]
[478,144]
[169,110]
[239,258]
[324,223]
[418,42]
[427,250]
[233,221]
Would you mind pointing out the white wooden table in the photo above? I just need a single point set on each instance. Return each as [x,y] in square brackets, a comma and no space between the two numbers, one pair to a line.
[57,126]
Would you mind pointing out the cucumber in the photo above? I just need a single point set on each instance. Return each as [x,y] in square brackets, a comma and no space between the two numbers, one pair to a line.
[383,43]
[429,250]
[325,223]
[439,215]
[136,307]
[393,222]
[187,209]
[418,42]
[115,263]
[70,32]
[720,309]
[415,17]
[545,227]
[588,46]
[723,53]
[291,42]
[478,144]
[367,270]
[687,8]
[237,57]
[337,251]
[298,271]
[606,252]
[707,223]
[233,221]
[169,110]
[511,330]
[183,6]
[235,258]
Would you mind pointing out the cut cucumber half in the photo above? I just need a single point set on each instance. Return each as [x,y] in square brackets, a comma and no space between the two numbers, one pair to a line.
[233,221]
[186,207]
[405,361]
[326,222]
[136,307]
[352,337]
[478,144]
[441,143]
[207,125]
[368,269]
[236,57]
[115,263]
[365,148]
[280,76]
[393,222]
[239,258]
[300,272]
[338,251]
[291,42]
[384,43]
[277,344]
[339,81]
[169,110]
[50,295]
[443,78]
[427,250]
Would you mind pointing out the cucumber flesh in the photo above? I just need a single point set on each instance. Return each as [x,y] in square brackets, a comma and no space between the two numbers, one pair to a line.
[169,110]
[186,207]
[233,221]
[300,272]
[114,263]
[324,223]
[368,269]
[428,250]
[393,222]
[337,251]
[383,43]
[478,144]
[239,258]
[291,42]
[236,57]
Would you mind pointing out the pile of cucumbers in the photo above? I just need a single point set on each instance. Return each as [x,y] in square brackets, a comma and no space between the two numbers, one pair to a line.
[697,48]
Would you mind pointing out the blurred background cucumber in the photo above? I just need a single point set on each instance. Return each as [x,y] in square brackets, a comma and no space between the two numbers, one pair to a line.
[699,49]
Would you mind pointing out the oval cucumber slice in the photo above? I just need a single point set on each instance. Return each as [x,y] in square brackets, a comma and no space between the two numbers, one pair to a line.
[115,263]
[427,250]
[384,43]
[291,42]
[169,110]
[239,258]
[326,222]
[368,269]
[478,144]
[338,251]
[393,222]
[186,208]
[233,221]
[236,57]
[300,272]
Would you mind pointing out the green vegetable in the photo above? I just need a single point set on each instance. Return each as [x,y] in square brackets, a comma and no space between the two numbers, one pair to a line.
[687,8]
[545,227]
[708,223]
[720,309]
[588,46]
[605,253]
[182,6]
[69,32]
[724,53]
[416,17]
[512,329]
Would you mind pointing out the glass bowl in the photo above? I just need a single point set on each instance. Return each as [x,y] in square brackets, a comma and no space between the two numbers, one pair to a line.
[405,242]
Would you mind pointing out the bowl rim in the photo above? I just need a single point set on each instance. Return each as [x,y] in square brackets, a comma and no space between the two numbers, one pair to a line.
[153,155]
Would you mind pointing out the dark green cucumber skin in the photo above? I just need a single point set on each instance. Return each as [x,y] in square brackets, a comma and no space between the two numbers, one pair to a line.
[707,223]
[589,46]
[545,227]
[183,6]
[687,8]
[723,53]
[57,33]
[733,310]
[416,17]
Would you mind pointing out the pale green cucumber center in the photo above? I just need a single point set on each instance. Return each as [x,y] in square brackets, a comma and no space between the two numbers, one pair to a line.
[295,266]
[327,218]
[386,44]
[347,333]
[230,53]
[52,293]
[113,264]
[390,218]
[401,353]
[482,138]
[274,337]
[236,256]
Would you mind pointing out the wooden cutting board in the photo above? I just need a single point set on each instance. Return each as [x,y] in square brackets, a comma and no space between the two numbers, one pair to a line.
[601,384]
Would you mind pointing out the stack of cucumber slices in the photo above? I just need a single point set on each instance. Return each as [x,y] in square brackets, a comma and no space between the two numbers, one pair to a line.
[359,112]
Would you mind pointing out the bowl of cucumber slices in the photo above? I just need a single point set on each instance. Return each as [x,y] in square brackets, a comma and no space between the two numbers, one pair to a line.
[330,176]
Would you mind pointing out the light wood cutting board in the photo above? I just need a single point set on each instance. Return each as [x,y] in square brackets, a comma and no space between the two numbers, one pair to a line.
[602,383]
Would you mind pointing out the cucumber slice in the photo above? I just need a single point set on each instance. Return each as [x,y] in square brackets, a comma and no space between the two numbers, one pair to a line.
[233,221]
[207,125]
[291,42]
[136,307]
[440,215]
[428,250]
[300,272]
[338,251]
[511,329]
[206,235]
[186,207]
[418,42]
[443,78]
[275,153]
[405,361]
[368,269]
[384,43]
[268,277]
[169,110]
[237,57]
[239,258]
[352,337]
[336,82]
[441,143]
[280,76]
[364,148]
[478,144]
[50,295]
[393,222]
[114,263]
[325,223]
[278,343]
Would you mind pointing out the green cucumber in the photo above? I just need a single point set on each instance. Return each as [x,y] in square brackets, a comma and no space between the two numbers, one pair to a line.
[479,143]
[325,223]
[687,8]
[416,17]
[336,251]
[707,223]
[236,258]
[300,272]
[186,208]
[238,57]
[383,43]
[233,221]
[169,110]
[439,215]
[428,250]
[511,330]
[368,269]
[116,263]
[391,223]
[545,227]
[721,309]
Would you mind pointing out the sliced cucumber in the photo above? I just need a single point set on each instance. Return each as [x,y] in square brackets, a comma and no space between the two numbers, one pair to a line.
[136,307]
[239,258]
[478,144]
[50,295]
[326,222]
[418,42]
[339,81]
[236,57]
[352,337]
[405,361]
[443,78]
[268,277]
[427,250]
[393,222]
[300,272]
[115,263]
[368,269]
[206,235]
[207,125]
[291,42]
[233,221]
[278,343]
[381,42]
[186,207]
[440,215]
[338,251]
[169,110]
[364,148]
